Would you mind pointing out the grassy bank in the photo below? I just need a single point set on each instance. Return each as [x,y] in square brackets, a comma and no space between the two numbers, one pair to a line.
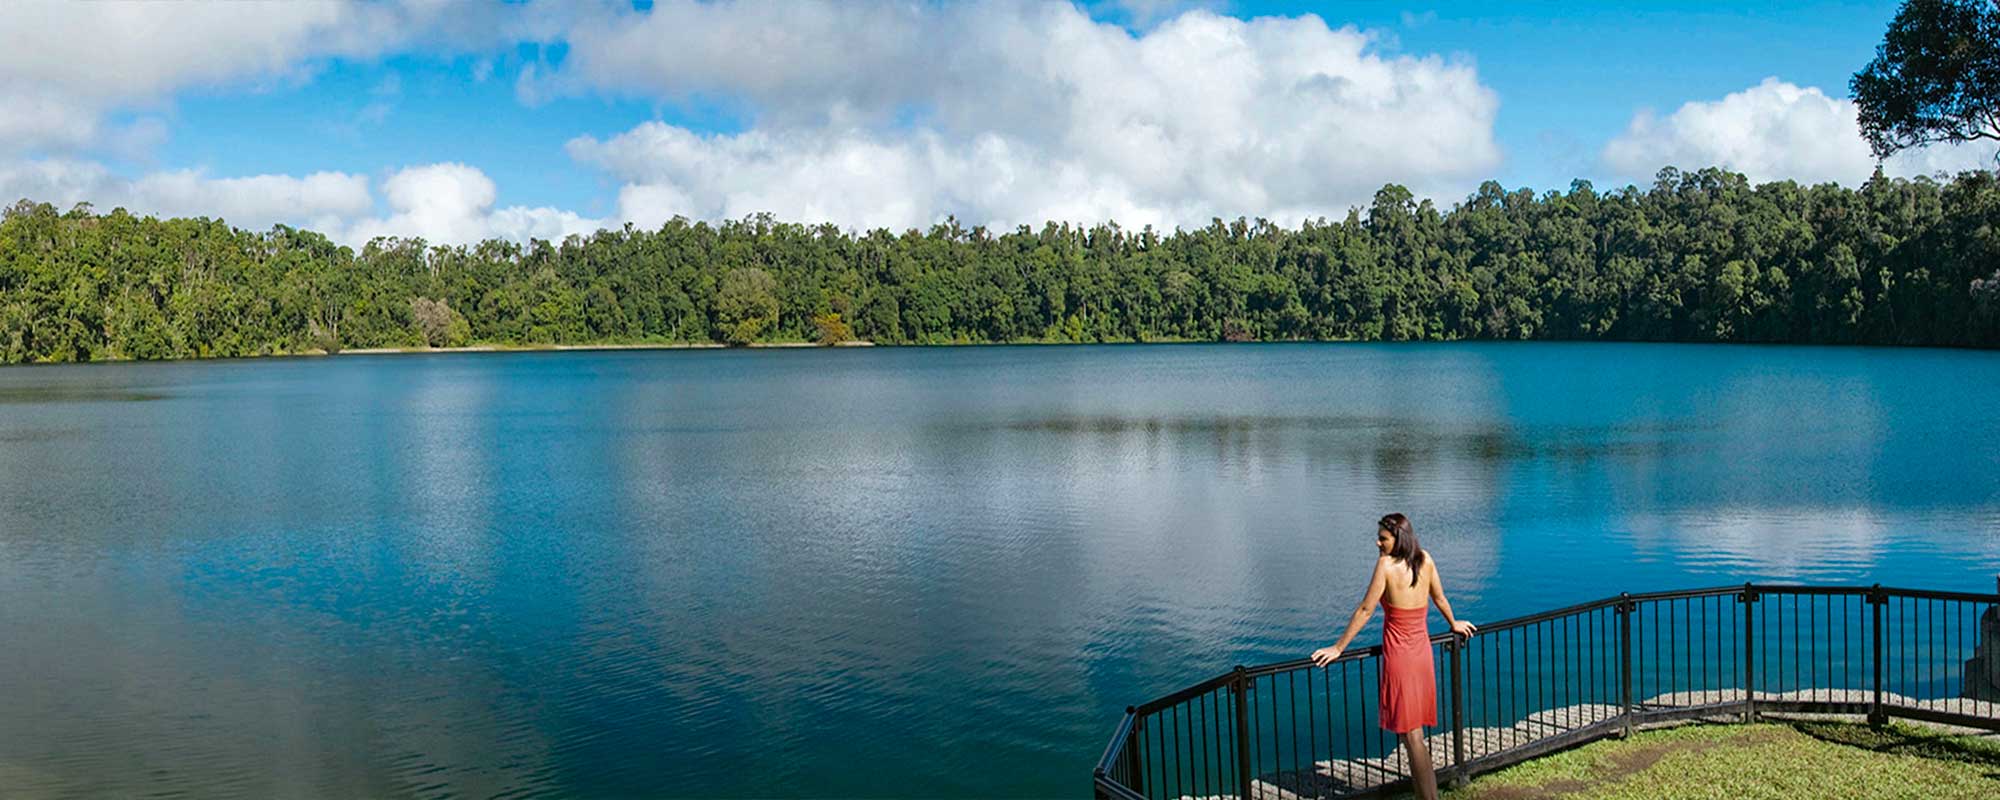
[1748,762]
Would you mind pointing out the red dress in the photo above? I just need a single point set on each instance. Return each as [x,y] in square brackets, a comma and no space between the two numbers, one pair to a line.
[1409,684]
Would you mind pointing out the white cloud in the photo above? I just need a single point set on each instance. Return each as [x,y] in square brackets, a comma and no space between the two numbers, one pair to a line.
[37,118]
[319,200]
[1773,131]
[452,203]
[873,114]
[69,63]
[443,203]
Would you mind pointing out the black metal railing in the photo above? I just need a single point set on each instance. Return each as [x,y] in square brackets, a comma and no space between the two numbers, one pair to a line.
[1531,685]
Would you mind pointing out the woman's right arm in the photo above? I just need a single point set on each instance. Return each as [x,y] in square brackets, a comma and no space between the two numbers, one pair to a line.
[1376,583]
[1459,626]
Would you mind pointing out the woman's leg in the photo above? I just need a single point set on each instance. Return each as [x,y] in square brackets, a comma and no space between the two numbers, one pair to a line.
[1422,779]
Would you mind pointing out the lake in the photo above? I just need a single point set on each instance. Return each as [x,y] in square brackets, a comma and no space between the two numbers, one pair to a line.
[879,572]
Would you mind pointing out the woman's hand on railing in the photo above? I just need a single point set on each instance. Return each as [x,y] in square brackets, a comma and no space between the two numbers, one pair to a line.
[1325,655]
[1463,628]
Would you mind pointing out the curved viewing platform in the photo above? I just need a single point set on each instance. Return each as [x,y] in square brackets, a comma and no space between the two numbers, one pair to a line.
[1532,685]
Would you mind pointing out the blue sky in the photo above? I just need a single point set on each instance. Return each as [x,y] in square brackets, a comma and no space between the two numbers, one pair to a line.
[533,119]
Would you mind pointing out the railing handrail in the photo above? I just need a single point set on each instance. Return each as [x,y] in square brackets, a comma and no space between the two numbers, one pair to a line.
[1624,605]
[1593,605]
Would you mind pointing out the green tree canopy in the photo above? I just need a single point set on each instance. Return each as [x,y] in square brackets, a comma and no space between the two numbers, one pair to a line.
[746,305]
[1935,77]
[1699,255]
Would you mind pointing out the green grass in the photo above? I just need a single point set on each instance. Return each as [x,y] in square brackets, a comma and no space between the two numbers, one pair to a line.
[1747,762]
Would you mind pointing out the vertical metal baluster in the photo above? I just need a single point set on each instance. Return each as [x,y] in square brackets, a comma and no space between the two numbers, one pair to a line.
[1549,667]
[1671,653]
[1195,749]
[1654,659]
[1223,731]
[1799,649]
[1783,648]
[1748,663]
[1846,647]
[1682,636]
[1256,729]
[1502,688]
[1243,735]
[1327,687]
[1371,704]
[1520,680]
[1565,655]
[1292,701]
[1194,787]
[1151,763]
[1312,726]
[1458,710]
[1765,671]
[1657,661]
[1277,741]
[1327,681]
[1812,626]
[1137,755]
[1212,756]
[1347,727]
[1194,746]
[1829,647]
[1527,677]
[1876,601]
[1625,660]
[1148,765]
[1572,662]
[1198,745]
[1207,703]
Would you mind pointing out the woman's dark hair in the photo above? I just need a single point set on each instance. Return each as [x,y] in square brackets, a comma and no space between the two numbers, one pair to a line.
[1406,548]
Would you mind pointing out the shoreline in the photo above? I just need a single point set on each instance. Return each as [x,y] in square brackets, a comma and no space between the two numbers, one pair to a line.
[494,348]
[1030,343]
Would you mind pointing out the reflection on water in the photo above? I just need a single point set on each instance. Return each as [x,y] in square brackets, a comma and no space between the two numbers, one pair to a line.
[757,573]
[45,395]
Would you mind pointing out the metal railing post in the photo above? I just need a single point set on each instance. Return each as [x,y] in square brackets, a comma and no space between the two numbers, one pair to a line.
[1625,660]
[1749,598]
[1878,599]
[1238,688]
[1134,767]
[1457,647]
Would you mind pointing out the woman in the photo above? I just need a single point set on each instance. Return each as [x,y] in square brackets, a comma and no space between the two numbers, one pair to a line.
[1406,581]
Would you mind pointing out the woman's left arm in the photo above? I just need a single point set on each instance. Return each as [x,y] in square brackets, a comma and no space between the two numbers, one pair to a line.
[1458,626]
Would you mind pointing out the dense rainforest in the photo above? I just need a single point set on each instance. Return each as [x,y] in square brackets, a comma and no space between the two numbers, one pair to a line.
[1700,256]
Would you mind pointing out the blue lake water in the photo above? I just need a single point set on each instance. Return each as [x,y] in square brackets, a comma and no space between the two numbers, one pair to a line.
[870,572]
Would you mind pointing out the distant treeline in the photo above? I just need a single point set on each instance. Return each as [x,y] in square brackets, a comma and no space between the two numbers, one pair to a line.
[1700,256]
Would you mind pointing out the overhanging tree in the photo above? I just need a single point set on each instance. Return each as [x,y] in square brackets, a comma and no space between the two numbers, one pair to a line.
[1935,77]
